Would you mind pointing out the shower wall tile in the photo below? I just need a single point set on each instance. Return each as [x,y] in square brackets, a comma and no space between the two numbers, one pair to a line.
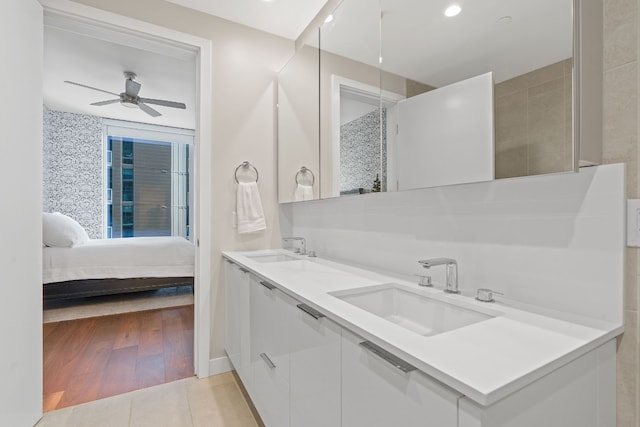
[620,32]
[535,111]
[631,279]
[546,120]
[621,121]
[511,162]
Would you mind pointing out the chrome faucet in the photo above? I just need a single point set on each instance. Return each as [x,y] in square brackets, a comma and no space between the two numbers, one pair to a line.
[452,272]
[303,244]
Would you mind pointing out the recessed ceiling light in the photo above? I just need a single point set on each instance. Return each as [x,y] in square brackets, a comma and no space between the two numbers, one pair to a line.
[328,19]
[452,10]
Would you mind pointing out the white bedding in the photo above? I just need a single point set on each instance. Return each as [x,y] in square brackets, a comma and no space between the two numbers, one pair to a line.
[119,259]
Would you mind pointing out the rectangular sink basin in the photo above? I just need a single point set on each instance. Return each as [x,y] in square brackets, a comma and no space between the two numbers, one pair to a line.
[272,258]
[411,310]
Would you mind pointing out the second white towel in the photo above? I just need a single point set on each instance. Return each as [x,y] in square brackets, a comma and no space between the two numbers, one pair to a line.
[250,214]
[303,192]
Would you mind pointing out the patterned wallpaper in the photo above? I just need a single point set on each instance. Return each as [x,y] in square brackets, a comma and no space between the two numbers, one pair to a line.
[72,168]
[360,152]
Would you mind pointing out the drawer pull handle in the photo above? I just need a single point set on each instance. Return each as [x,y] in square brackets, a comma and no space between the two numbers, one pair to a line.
[388,357]
[268,361]
[267,285]
[244,270]
[310,311]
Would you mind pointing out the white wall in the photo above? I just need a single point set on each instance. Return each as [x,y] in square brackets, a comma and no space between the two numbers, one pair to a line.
[554,241]
[21,213]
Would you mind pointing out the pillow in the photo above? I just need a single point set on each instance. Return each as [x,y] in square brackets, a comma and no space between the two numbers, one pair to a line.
[62,231]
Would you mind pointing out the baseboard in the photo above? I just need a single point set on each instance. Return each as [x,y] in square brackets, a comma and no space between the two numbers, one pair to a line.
[219,365]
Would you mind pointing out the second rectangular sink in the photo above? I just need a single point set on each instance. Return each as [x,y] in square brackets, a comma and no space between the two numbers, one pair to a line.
[412,310]
[272,258]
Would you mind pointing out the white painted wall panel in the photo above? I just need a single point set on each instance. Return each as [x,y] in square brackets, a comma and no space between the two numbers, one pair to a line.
[446,136]
[21,213]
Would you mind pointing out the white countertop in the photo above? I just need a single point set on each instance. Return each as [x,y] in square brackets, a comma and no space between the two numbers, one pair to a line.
[485,361]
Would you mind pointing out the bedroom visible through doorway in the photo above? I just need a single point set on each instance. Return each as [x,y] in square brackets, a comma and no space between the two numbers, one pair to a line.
[181,198]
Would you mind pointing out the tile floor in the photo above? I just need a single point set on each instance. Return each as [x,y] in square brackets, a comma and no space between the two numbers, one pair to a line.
[214,401]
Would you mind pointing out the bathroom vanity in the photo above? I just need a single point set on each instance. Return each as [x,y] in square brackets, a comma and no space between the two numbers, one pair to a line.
[320,343]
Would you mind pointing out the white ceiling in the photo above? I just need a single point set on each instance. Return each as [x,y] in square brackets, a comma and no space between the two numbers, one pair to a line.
[420,43]
[286,18]
[100,59]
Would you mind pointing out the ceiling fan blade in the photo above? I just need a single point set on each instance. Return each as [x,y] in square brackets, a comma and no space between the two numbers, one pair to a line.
[101,103]
[132,87]
[150,111]
[89,87]
[164,103]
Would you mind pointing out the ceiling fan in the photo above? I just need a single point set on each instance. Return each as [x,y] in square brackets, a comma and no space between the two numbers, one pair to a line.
[130,98]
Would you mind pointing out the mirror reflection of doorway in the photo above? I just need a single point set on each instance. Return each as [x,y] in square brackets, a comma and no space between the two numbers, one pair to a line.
[363,143]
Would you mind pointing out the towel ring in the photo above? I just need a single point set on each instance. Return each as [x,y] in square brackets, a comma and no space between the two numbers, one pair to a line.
[303,170]
[245,165]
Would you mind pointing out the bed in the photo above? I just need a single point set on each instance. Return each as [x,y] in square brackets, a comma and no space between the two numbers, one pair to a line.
[111,266]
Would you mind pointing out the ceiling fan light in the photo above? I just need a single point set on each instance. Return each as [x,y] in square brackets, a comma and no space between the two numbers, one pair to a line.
[128,104]
[453,10]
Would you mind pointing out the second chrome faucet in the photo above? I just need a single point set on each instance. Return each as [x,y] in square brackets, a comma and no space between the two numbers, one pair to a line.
[302,250]
[452,272]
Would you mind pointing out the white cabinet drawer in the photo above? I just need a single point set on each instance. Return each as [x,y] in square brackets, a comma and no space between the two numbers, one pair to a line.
[376,393]
[270,316]
[236,320]
[315,369]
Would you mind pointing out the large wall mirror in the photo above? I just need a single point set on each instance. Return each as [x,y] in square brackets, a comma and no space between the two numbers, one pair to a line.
[413,94]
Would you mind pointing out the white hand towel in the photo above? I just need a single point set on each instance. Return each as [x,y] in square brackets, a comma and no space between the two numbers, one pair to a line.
[303,192]
[249,211]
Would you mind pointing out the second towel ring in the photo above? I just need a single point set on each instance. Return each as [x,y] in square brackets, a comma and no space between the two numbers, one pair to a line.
[303,170]
[245,165]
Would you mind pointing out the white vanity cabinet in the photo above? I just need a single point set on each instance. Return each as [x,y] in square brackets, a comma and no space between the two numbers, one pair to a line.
[580,393]
[236,320]
[315,343]
[375,392]
[270,316]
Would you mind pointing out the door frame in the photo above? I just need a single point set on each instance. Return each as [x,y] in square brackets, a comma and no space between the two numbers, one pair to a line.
[203,149]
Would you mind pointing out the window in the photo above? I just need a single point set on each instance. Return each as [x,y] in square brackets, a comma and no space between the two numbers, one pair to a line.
[147,183]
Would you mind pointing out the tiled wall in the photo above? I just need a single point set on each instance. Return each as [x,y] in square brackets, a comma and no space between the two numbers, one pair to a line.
[72,168]
[534,122]
[621,145]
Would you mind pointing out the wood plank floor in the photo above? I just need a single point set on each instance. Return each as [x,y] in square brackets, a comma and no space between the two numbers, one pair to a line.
[97,357]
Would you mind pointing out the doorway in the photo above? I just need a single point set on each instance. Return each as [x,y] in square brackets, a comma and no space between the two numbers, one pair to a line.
[153,35]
